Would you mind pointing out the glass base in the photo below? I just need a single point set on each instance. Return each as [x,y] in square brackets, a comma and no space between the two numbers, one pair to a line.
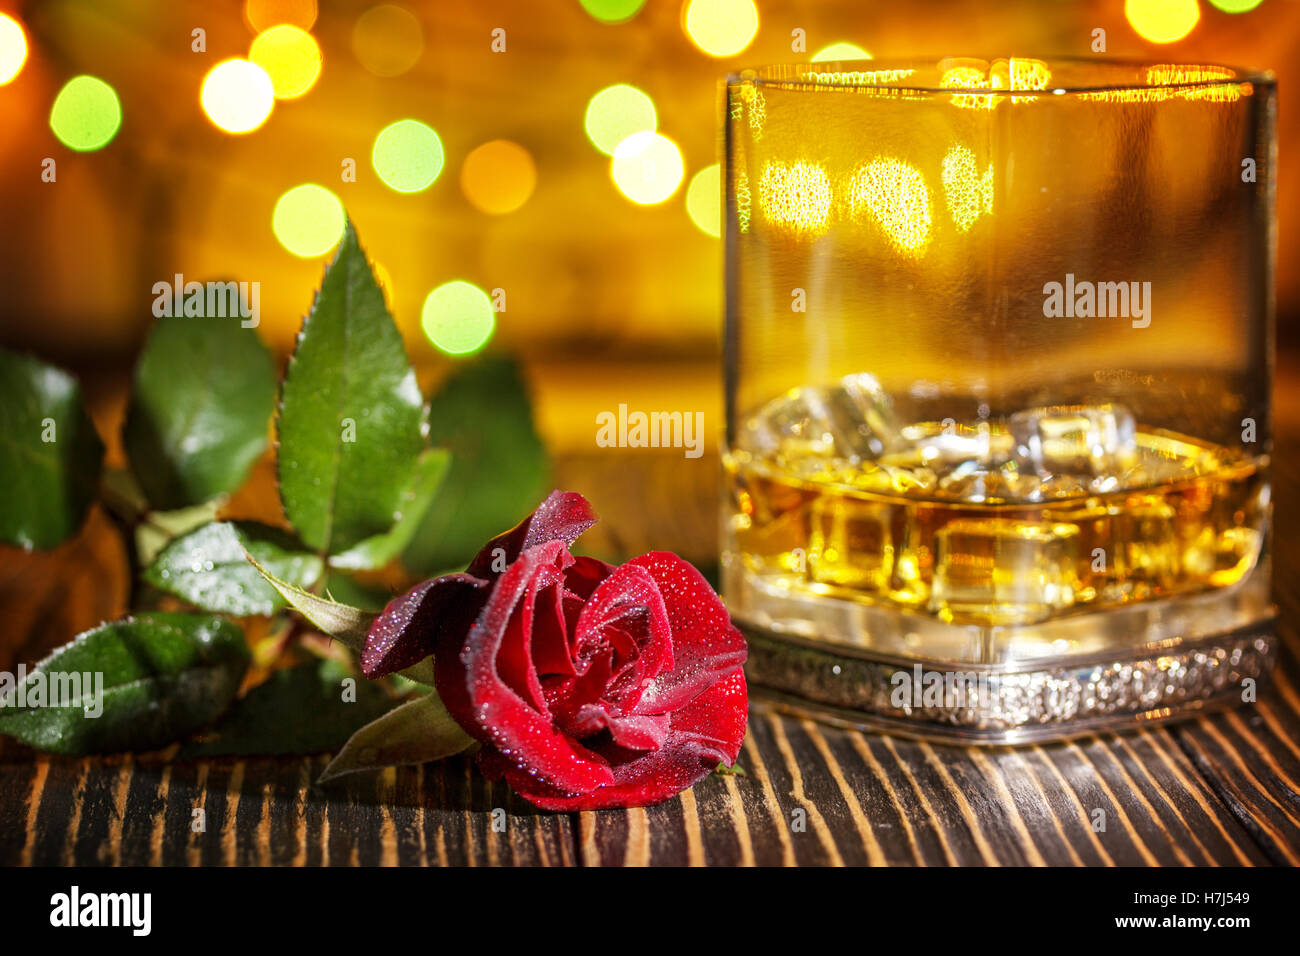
[882,669]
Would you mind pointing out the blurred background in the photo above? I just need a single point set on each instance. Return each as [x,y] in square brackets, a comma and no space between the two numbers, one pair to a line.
[222,140]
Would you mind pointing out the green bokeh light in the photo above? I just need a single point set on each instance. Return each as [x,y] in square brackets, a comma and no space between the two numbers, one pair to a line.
[458,318]
[613,11]
[1236,6]
[308,220]
[407,155]
[86,114]
[615,113]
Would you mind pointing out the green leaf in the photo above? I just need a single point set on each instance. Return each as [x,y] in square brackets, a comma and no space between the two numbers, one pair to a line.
[164,527]
[156,678]
[50,454]
[204,393]
[350,413]
[377,551]
[347,624]
[737,770]
[153,529]
[416,732]
[499,469]
[209,567]
[301,710]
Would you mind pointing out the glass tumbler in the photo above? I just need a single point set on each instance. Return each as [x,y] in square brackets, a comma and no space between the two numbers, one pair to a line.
[998,361]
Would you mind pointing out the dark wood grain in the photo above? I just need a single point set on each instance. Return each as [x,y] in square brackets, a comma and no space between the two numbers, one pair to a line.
[1222,789]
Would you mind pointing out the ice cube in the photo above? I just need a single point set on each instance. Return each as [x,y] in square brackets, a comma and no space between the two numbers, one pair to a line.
[852,543]
[1003,570]
[852,420]
[1096,441]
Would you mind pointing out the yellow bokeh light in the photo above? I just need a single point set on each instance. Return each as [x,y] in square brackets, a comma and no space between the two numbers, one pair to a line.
[796,195]
[840,51]
[1166,80]
[615,113]
[647,168]
[458,318]
[1020,73]
[721,27]
[237,96]
[291,58]
[895,195]
[969,194]
[264,14]
[308,220]
[1162,21]
[498,177]
[1016,73]
[1169,73]
[13,48]
[704,200]
[387,40]
[967,77]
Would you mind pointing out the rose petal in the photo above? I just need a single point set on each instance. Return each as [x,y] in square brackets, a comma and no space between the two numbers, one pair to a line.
[563,516]
[634,732]
[471,685]
[406,632]
[628,601]
[705,644]
[710,731]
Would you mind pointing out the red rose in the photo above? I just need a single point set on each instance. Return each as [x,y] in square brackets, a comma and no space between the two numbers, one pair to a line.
[588,685]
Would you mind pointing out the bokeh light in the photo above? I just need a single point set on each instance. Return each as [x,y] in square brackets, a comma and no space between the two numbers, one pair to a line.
[1162,21]
[613,11]
[291,58]
[387,40]
[796,196]
[407,155]
[895,194]
[13,48]
[498,177]
[721,27]
[647,168]
[237,96]
[308,220]
[704,200]
[615,113]
[458,318]
[86,114]
[264,14]
[1236,6]
[840,51]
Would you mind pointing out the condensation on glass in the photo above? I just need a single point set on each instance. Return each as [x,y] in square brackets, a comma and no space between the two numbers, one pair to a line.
[999,351]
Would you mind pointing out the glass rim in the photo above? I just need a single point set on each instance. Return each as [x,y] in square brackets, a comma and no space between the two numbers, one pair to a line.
[855,71]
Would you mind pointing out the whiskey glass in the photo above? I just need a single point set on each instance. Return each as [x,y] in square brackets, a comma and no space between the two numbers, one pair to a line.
[998,359]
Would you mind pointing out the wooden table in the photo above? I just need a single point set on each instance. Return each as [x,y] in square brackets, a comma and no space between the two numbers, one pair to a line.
[1221,789]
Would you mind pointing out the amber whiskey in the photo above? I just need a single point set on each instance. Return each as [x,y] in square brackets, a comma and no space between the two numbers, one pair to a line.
[1043,513]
